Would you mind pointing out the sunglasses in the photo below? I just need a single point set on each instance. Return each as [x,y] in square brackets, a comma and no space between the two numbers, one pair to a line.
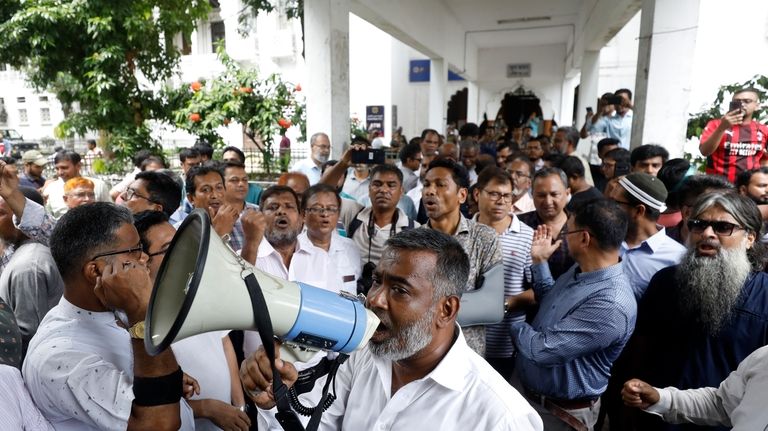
[721,228]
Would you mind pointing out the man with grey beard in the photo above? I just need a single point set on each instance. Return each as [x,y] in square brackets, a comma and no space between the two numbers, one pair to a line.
[417,371]
[698,320]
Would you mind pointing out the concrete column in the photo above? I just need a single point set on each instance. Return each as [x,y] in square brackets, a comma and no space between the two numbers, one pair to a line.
[590,74]
[326,39]
[473,102]
[668,31]
[438,81]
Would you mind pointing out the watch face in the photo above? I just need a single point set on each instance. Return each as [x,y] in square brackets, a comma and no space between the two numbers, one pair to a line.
[137,330]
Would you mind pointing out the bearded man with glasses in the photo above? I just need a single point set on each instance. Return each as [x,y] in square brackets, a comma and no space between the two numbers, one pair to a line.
[698,320]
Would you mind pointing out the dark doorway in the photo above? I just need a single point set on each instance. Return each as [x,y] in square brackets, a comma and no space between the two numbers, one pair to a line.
[457,108]
[517,107]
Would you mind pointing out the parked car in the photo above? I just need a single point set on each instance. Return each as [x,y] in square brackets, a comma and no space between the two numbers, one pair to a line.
[19,148]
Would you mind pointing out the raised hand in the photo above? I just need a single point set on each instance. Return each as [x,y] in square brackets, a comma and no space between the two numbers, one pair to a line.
[543,247]
[256,376]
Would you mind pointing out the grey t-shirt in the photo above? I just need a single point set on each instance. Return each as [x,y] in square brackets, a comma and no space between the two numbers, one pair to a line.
[31,285]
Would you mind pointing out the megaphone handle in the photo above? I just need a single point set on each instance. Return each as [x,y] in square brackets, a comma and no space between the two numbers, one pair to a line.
[285,416]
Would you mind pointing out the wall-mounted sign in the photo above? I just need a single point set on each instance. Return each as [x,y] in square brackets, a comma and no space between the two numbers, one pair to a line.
[454,76]
[418,71]
[519,70]
[374,117]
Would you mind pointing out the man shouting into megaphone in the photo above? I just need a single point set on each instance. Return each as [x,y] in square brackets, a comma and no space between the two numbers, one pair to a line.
[417,358]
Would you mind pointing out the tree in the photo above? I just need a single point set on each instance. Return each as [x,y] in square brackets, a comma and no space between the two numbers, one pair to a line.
[102,59]
[264,107]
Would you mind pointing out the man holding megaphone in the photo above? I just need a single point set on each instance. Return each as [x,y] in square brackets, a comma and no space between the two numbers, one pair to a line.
[417,357]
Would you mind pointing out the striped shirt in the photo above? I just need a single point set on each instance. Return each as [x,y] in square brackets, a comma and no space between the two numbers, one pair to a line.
[516,258]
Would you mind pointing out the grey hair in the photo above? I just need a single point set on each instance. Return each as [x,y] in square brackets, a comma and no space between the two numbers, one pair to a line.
[452,266]
[746,213]
[314,137]
[546,172]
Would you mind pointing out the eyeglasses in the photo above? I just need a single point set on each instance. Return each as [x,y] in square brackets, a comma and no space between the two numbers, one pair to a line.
[322,211]
[744,101]
[577,231]
[720,228]
[135,252]
[159,252]
[131,192]
[507,197]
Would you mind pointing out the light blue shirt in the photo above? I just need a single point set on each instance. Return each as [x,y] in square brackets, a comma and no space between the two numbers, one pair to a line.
[405,203]
[641,263]
[309,168]
[583,323]
[615,126]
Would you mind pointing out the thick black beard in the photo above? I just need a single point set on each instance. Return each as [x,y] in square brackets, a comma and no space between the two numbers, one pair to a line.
[710,287]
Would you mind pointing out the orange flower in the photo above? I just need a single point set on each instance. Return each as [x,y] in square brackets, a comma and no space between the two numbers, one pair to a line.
[227,121]
[284,123]
[194,117]
[246,89]
[298,87]
[196,86]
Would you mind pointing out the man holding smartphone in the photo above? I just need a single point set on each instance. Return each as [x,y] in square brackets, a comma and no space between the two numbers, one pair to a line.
[735,143]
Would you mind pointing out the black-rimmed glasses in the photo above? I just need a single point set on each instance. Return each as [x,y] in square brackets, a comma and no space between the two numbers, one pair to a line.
[135,252]
[721,228]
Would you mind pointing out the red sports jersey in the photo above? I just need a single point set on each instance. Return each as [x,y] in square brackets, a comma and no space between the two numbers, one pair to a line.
[740,149]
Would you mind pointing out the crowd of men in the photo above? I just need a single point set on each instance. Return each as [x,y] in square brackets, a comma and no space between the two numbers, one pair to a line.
[634,291]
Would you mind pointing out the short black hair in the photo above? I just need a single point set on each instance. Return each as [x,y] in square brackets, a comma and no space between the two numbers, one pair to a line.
[672,175]
[204,148]
[149,160]
[378,169]
[696,185]
[504,145]
[426,132]
[648,151]
[745,177]
[163,189]
[572,166]
[493,174]
[83,232]
[144,220]
[140,156]
[187,153]
[605,221]
[409,151]
[458,172]
[198,171]
[320,188]
[619,155]
[278,190]
[571,135]
[626,91]
[554,159]
[238,151]
[606,142]
[469,129]
[66,156]
[231,164]
[483,162]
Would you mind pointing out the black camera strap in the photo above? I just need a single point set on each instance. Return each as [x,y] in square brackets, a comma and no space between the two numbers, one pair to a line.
[372,228]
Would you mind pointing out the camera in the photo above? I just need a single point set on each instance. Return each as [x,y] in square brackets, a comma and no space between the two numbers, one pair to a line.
[368,157]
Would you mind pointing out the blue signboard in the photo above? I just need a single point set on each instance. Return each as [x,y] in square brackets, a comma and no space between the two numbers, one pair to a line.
[418,71]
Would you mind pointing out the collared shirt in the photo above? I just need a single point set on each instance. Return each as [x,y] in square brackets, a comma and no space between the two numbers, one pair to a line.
[616,126]
[560,261]
[405,203]
[641,263]
[344,254]
[484,250]
[583,323]
[54,194]
[516,257]
[237,237]
[79,371]
[380,235]
[462,392]
[309,168]
[410,178]
[738,402]
[17,411]
[35,223]
[355,187]
[27,181]
[524,204]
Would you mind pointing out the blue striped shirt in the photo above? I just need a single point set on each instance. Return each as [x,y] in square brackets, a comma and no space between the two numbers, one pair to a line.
[583,323]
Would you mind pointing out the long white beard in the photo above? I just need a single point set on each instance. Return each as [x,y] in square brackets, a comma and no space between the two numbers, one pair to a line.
[710,287]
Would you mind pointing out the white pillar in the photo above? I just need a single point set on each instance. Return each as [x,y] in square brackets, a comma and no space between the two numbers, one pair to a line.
[326,41]
[438,81]
[590,75]
[668,31]
[473,102]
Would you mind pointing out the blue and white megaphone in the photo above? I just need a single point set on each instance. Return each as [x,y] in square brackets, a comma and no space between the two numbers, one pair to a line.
[200,288]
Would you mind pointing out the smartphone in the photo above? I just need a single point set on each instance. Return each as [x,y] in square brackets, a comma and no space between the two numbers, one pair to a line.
[589,110]
[368,157]
[615,100]
[735,105]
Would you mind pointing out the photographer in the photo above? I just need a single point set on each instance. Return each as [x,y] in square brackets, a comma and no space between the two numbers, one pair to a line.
[735,143]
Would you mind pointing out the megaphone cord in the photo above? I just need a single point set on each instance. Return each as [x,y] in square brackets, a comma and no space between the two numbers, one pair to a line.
[327,399]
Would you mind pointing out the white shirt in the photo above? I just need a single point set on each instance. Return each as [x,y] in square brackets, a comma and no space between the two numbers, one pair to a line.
[79,371]
[202,357]
[308,168]
[54,194]
[17,411]
[462,392]
[739,402]
[123,185]
[355,187]
[344,254]
[415,194]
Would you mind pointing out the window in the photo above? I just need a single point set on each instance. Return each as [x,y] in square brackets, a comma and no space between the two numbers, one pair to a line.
[186,44]
[44,99]
[217,34]
[23,116]
[21,99]
[45,115]
[3,67]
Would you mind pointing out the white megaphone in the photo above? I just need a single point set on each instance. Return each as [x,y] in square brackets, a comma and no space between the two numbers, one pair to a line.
[201,287]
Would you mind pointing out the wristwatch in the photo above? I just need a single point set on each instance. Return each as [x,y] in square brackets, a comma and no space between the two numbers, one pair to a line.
[137,330]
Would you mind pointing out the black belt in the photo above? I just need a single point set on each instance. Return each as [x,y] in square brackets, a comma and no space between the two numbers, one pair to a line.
[579,403]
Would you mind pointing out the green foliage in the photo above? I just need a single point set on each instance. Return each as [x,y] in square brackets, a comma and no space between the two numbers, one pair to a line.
[265,107]
[699,120]
[101,58]
[292,9]
[356,129]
